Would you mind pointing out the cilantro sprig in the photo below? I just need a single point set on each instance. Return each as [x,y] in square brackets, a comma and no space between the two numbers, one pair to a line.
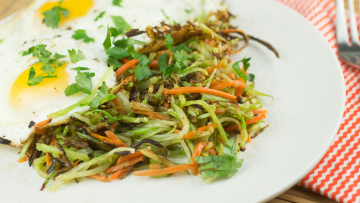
[220,166]
[83,82]
[117,3]
[53,16]
[48,67]
[246,64]
[81,34]
[100,16]
[101,97]
[76,56]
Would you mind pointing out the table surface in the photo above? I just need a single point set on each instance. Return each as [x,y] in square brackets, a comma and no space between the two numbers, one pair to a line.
[295,194]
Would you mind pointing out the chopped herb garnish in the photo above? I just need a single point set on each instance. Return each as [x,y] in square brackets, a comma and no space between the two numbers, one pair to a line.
[81,34]
[100,26]
[169,41]
[80,68]
[1,41]
[99,16]
[220,166]
[117,3]
[53,16]
[187,11]
[163,12]
[162,62]
[114,62]
[34,80]
[83,83]
[76,57]
[241,73]
[107,42]
[117,52]
[121,25]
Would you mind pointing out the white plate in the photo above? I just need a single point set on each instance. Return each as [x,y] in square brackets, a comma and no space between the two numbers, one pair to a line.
[309,92]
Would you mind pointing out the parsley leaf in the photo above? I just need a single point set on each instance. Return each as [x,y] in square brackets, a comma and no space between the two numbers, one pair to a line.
[101,95]
[44,56]
[80,68]
[163,12]
[121,24]
[142,72]
[117,3]
[187,11]
[181,47]
[238,70]
[76,57]
[251,77]
[81,34]
[99,16]
[53,16]
[162,62]
[34,80]
[220,166]
[169,41]
[83,84]
[107,42]
[114,62]
[117,52]
[59,56]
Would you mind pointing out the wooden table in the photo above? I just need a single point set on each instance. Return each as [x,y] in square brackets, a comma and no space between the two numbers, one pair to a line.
[295,194]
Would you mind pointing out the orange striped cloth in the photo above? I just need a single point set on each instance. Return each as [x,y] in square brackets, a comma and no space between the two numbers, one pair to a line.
[337,175]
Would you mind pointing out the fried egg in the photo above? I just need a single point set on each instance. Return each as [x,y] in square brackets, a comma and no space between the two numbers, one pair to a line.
[21,103]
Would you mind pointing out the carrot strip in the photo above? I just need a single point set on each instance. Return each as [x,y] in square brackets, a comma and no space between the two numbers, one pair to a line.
[156,166]
[164,171]
[154,64]
[259,111]
[100,178]
[239,91]
[202,129]
[128,163]
[256,119]
[253,120]
[153,114]
[20,160]
[212,152]
[212,43]
[159,53]
[208,142]
[52,143]
[210,69]
[219,111]
[248,139]
[116,104]
[126,66]
[233,52]
[118,173]
[103,139]
[125,60]
[181,90]
[206,41]
[231,76]
[48,159]
[236,83]
[197,151]
[128,157]
[39,126]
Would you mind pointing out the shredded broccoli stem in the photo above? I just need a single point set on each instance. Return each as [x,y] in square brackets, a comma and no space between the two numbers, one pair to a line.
[26,146]
[184,121]
[213,116]
[186,150]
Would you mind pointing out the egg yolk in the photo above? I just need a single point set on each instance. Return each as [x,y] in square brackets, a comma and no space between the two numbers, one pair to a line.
[27,99]
[77,8]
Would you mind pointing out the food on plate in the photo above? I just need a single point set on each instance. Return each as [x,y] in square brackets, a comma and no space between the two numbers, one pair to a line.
[87,103]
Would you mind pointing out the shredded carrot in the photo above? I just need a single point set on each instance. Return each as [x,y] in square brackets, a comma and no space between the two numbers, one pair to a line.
[23,160]
[259,111]
[39,126]
[101,178]
[239,91]
[177,131]
[116,104]
[212,43]
[181,90]
[236,83]
[210,69]
[212,152]
[201,129]
[233,52]
[208,142]
[253,120]
[118,173]
[52,143]
[248,139]
[112,136]
[48,159]
[206,41]
[154,64]
[219,111]
[256,119]
[159,53]
[126,66]
[197,151]
[231,76]
[128,157]
[152,114]
[104,139]
[127,163]
[127,80]
[164,171]
[125,60]
[164,28]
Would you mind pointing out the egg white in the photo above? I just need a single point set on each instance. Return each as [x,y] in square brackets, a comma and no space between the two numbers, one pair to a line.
[14,124]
